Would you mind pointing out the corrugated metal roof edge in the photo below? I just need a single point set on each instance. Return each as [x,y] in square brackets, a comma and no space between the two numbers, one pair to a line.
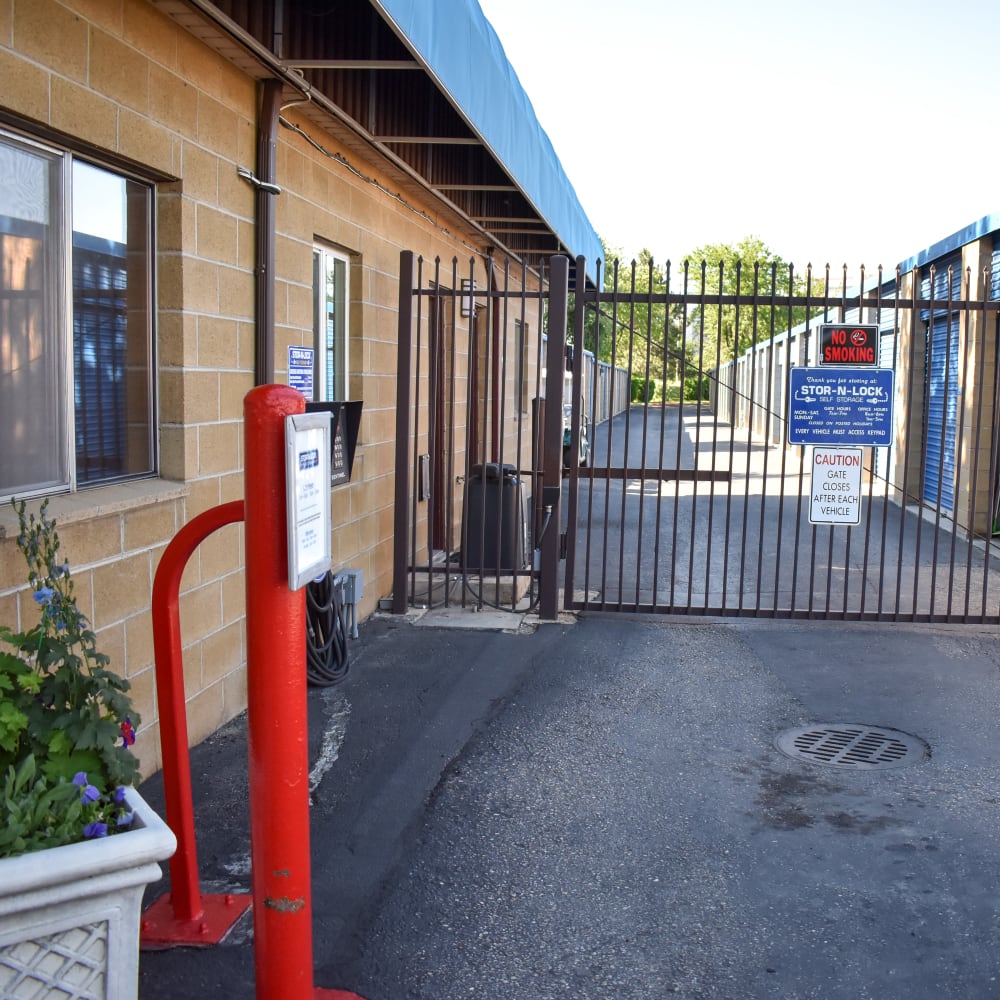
[974,231]
[458,46]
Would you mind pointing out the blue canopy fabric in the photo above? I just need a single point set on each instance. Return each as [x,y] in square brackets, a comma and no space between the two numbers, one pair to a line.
[460,50]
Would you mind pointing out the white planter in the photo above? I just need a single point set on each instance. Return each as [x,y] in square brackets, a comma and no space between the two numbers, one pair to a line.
[69,916]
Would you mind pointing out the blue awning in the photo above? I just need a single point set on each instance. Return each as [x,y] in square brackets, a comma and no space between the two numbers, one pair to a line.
[458,47]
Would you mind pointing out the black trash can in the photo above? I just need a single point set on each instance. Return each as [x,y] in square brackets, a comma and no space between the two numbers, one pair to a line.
[496,519]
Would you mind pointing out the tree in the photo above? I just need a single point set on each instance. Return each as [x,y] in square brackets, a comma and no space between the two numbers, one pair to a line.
[638,333]
[635,327]
[745,269]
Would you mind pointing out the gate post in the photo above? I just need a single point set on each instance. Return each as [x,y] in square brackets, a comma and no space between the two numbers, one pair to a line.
[404,360]
[577,418]
[555,366]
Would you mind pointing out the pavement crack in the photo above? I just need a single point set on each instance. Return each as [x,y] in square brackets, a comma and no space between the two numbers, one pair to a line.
[333,739]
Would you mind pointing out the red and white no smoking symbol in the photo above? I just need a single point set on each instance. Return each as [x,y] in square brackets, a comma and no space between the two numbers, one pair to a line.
[859,338]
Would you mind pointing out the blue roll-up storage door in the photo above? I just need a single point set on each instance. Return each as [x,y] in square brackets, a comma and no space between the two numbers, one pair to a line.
[942,411]
[941,384]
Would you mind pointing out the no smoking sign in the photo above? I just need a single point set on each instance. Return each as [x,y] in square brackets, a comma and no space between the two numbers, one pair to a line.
[848,344]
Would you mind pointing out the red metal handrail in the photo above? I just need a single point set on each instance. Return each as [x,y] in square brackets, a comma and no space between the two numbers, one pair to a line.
[185,916]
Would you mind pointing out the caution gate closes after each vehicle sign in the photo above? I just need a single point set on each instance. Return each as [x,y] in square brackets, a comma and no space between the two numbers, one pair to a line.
[835,489]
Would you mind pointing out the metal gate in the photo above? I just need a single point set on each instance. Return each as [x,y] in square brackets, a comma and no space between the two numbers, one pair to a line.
[662,474]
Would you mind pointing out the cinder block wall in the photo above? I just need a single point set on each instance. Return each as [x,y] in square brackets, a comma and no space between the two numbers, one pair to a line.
[117,77]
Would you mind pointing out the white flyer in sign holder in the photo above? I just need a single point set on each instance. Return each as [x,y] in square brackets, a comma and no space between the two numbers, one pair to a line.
[307,495]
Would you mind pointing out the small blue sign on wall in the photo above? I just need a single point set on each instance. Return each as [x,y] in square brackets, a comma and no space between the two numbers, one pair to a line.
[300,370]
[840,407]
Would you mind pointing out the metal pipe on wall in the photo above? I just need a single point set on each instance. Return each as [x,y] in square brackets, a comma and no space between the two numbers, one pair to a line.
[268,111]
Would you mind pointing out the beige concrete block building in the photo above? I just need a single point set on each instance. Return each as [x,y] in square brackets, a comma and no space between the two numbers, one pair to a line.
[192,193]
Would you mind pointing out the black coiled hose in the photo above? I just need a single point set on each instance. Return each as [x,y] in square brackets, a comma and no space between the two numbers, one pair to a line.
[326,632]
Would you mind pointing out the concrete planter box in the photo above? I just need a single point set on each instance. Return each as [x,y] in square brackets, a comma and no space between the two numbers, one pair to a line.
[69,916]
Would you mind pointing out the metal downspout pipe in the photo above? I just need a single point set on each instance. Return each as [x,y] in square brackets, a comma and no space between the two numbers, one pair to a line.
[268,110]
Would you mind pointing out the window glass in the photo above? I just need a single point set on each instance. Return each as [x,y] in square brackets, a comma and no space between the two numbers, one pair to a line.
[330,285]
[111,356]
[521,388]
[33,454]
[76,399]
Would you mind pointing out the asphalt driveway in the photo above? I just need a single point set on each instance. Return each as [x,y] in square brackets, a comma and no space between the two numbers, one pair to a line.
[598,809]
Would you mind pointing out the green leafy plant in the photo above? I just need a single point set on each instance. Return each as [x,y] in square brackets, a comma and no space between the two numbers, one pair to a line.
[66,720]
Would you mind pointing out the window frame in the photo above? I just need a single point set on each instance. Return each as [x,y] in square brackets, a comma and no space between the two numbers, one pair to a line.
[523,386]
[60,288]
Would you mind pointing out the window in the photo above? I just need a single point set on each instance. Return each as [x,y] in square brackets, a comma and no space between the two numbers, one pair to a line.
[76,397]
[522,389]
[330,327]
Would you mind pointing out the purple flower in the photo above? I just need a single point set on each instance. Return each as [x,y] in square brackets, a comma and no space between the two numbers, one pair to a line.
[125,819]
[43,595]
[120,794]
[87,792]
[95,830]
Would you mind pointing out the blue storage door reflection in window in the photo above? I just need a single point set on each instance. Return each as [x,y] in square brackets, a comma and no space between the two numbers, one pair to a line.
[111,343]
[33,452]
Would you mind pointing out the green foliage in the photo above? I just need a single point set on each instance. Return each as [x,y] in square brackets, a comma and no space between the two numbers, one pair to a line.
[661,392]
[38,815]
[634,327]
[66,720]
[640,332]
[725,290]
[646,390]
[747,269]
[44,813]
[695,386]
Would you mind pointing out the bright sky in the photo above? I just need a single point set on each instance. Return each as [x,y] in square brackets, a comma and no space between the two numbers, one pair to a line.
[853,132]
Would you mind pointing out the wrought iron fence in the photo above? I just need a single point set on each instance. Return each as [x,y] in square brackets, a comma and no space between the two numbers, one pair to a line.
[667,481]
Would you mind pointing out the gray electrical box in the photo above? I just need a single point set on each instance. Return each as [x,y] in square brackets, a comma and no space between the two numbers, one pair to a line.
[496,519]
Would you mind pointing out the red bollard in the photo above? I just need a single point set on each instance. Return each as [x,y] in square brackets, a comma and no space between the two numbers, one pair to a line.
[276,721]
[276,710]
[276,713]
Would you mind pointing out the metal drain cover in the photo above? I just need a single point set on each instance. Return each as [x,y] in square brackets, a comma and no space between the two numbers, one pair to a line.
[860,748]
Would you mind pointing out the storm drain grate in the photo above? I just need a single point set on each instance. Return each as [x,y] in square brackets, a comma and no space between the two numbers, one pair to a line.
[863,748]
